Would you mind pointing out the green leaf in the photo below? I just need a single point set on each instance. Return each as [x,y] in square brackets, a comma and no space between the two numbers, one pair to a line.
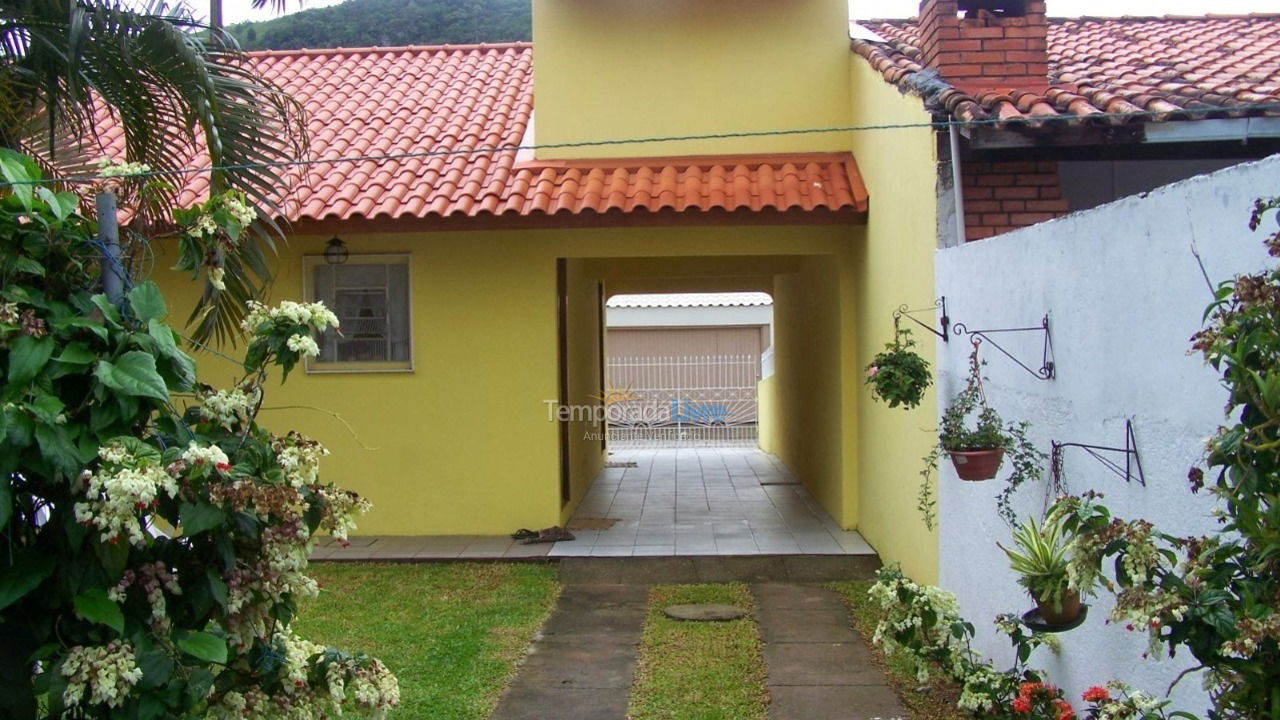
[28,570]
[81,322]
[156,666]
[205,646]
[21,171]
[47,407]
[29,266]
[181,364]
[77,353]
[27,357]
[57,448]
[108,310]
[96,607]
[217,587]
[6,502]
[148,303]
[199,517]
[134,374]
[62,204]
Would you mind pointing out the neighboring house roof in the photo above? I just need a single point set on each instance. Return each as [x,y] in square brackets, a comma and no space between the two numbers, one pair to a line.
[682,300]
[450,99]
[1102,66]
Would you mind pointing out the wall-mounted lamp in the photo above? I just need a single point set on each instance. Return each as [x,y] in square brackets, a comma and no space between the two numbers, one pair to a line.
[336,253]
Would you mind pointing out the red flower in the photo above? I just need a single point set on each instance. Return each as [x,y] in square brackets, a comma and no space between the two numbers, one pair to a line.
[1064,710]
[223,467]
[1096,694]
[1022,705]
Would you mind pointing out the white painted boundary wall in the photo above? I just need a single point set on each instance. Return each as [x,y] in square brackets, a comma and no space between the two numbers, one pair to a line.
[1124,295]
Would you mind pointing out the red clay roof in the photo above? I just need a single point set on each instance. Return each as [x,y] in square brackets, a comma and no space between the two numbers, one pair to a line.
[1100,66]
[405,100]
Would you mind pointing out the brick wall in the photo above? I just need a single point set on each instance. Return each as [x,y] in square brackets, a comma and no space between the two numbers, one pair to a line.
[986,51]
[1004,196]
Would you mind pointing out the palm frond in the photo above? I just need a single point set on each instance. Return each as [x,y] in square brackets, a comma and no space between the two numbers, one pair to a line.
[151,72]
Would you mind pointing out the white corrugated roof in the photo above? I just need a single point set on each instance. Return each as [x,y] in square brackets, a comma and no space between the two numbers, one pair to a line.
[673,300]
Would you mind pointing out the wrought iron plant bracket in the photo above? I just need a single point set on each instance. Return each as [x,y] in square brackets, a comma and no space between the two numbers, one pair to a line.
[1047,370]
[945,320]
[1132,461]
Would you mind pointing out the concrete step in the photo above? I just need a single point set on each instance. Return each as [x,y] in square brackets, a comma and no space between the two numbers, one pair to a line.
[716,569]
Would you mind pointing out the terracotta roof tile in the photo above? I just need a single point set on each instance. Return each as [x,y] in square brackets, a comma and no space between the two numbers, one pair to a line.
[456,98]
[1111,66]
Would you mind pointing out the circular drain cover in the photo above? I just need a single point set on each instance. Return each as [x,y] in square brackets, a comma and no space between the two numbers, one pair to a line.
[705,613]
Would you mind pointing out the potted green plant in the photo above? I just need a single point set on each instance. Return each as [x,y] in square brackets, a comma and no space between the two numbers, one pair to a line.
[1040,557]
[898,375]
[978,441]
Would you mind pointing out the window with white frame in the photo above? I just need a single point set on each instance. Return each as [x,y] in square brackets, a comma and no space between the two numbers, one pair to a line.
[370,296]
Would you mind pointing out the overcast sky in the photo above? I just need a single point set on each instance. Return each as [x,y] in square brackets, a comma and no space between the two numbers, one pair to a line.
[237,10]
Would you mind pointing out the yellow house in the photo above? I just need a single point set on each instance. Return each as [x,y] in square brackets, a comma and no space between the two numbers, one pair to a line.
[634,147]
[491,267]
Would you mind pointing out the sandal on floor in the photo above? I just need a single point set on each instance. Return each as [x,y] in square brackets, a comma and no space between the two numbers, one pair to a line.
[549,535]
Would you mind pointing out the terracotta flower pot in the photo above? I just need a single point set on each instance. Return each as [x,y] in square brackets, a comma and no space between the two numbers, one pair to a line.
[976,465]
[1070,609]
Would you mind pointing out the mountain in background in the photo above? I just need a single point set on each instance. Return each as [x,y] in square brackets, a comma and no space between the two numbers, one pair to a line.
[364,23]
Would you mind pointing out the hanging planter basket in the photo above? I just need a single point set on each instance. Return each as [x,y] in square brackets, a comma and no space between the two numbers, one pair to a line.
[977,465]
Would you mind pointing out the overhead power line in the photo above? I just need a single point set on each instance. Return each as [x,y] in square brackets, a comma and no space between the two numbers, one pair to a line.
[453,152]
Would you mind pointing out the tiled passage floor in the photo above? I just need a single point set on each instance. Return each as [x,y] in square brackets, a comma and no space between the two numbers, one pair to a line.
[696,501]
[704,501]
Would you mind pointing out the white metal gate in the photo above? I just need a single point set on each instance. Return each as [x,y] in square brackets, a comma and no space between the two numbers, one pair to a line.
[709,400]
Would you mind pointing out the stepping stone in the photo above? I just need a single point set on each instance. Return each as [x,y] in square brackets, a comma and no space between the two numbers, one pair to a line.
[705,613]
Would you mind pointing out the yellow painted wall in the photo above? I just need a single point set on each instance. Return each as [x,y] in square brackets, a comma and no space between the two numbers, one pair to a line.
[586,453]
[767,414]
[893,265]
[607,69]
[808,423]
[463,444]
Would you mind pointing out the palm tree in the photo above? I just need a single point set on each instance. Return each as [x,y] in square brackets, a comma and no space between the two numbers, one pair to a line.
[175,86]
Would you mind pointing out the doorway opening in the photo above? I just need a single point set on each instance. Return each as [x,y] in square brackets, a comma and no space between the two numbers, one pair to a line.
[683,369]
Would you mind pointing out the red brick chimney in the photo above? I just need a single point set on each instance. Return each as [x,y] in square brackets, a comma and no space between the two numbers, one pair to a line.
[987,44]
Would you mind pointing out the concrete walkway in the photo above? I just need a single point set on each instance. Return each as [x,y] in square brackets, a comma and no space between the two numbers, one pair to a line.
[819,667]
[582,664]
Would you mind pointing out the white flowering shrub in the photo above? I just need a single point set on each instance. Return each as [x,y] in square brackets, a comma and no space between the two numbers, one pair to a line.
[922,624]
[151,556]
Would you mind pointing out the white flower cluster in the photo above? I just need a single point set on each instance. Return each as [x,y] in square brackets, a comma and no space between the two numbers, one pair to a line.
[99,675]
[228,407]
[926,601]
[109,169]
[343,506]
[206,456]
[1129,704]
[314,315]
[217,278]
[299,457]
[279,572]
[202,227]
[976,696]
[367,681]
[116,495]
[153,579]
[304,345]
[242,212]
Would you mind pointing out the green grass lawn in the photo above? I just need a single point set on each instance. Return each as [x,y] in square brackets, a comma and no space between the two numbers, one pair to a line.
[451,633]
[699,671]
[937,701]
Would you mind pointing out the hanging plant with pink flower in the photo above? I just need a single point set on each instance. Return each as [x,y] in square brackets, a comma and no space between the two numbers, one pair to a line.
[898,375]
